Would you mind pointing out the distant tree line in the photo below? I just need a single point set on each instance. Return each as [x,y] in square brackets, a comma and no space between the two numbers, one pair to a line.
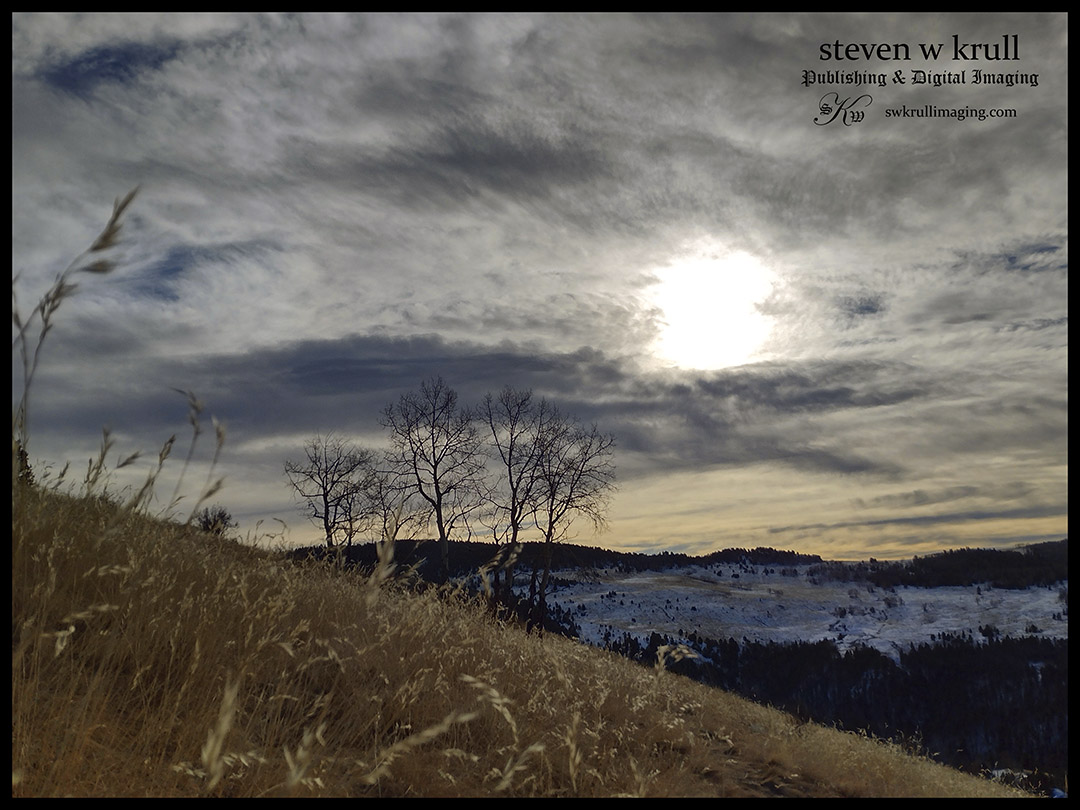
[759,556]
[1039,564]
[467,557]
[977,704]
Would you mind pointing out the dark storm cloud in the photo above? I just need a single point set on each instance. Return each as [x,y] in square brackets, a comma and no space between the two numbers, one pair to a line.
[721,419]
[317,384]
[689,422]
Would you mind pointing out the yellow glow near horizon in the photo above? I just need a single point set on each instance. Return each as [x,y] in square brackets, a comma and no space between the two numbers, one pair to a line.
[710,319]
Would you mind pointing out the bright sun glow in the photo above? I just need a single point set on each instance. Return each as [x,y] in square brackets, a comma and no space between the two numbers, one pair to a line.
[708,300]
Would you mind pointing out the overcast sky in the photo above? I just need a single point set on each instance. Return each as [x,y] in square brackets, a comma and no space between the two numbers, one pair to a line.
[845,338]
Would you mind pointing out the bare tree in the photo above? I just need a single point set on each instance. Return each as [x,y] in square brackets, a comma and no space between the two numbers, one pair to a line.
[517,423]
[400,514]
[437,443]
[334,483]
[576,478]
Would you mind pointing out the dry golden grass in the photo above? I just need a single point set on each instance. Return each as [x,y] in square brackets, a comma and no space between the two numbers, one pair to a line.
[149,659]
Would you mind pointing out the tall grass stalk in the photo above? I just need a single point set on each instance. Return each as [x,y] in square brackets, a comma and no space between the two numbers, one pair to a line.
[93,260]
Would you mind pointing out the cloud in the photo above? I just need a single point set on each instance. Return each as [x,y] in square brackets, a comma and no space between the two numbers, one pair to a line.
[121,63]
[920,497]
[930,520]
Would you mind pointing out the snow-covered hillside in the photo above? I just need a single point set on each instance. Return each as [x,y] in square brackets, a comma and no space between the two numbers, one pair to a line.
[739,602]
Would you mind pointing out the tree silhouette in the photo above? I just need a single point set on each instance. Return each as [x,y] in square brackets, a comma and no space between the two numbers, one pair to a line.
[576,477]
[517,423]
[335,484]
[398,512]
[438,446]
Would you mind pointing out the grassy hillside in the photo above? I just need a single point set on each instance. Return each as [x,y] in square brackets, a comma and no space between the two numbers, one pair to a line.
[150,659]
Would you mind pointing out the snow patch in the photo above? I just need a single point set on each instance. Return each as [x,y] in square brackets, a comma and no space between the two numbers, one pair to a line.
[744,602]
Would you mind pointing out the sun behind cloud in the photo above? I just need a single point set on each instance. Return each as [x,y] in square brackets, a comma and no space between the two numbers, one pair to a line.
[709,299]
